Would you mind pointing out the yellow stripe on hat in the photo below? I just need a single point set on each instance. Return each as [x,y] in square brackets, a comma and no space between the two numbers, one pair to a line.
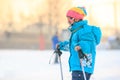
[78,10]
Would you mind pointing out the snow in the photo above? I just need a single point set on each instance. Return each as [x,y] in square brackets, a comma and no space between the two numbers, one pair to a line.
[34,65]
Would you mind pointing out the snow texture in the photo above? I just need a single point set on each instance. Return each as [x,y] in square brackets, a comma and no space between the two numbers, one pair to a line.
[34,65]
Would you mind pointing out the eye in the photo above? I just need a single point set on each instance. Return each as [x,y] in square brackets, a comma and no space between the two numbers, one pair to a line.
[71,18]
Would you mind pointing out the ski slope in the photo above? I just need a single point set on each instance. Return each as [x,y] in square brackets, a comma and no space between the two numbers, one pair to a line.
[34,65]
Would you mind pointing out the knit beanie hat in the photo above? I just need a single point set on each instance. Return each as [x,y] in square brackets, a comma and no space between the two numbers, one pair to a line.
[77,12]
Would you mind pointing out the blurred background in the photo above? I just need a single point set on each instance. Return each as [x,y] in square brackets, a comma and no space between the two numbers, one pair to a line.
[27,34]
[30,24]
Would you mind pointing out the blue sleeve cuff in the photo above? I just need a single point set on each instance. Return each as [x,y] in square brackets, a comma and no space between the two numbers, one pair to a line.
[64,46]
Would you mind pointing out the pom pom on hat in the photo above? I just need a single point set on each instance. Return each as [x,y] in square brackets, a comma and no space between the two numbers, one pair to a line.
[77,12]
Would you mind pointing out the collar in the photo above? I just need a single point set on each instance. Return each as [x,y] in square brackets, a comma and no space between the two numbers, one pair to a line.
[78,24]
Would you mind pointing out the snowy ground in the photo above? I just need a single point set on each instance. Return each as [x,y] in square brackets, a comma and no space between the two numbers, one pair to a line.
[34,65]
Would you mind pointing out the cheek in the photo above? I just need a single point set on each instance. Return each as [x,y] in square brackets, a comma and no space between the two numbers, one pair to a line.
[70,21]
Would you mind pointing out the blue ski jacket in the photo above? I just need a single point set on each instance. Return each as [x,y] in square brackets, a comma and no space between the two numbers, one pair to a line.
[87,37]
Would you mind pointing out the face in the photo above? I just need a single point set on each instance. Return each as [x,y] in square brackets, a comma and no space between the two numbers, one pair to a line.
[70,20]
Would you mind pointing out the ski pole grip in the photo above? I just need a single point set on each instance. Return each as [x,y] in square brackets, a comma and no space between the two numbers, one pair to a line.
[57,51]
[58,47]
[82,55]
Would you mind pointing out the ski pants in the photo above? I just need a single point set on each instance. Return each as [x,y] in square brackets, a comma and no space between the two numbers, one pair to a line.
[78,75]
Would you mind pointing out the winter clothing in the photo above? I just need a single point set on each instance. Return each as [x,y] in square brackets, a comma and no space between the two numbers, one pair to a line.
[55,40]
[78,75]
[87,37]
[77,12]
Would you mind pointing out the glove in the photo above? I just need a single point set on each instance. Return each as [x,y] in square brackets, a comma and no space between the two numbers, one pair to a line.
[82,55]
[57,51]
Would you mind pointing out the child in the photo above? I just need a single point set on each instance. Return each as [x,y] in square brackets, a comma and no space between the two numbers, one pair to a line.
[84,37]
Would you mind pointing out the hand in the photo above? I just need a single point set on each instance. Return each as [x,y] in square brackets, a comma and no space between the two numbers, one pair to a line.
[82,55]
[57,51]
[77,48]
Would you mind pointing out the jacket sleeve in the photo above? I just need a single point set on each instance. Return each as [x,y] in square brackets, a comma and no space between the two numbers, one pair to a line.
[64,45]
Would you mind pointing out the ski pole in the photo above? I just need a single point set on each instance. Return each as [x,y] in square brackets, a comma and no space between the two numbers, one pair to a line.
[61,68]
[82,56]
[59,53]
[83,69]
[51,58]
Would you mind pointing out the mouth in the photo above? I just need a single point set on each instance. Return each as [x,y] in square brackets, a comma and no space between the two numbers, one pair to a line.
[70,23]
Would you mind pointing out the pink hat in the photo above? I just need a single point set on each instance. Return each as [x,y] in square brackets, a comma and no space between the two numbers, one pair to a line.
[77,12]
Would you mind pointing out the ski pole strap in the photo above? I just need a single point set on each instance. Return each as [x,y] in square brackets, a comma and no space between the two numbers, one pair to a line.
[82,55]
